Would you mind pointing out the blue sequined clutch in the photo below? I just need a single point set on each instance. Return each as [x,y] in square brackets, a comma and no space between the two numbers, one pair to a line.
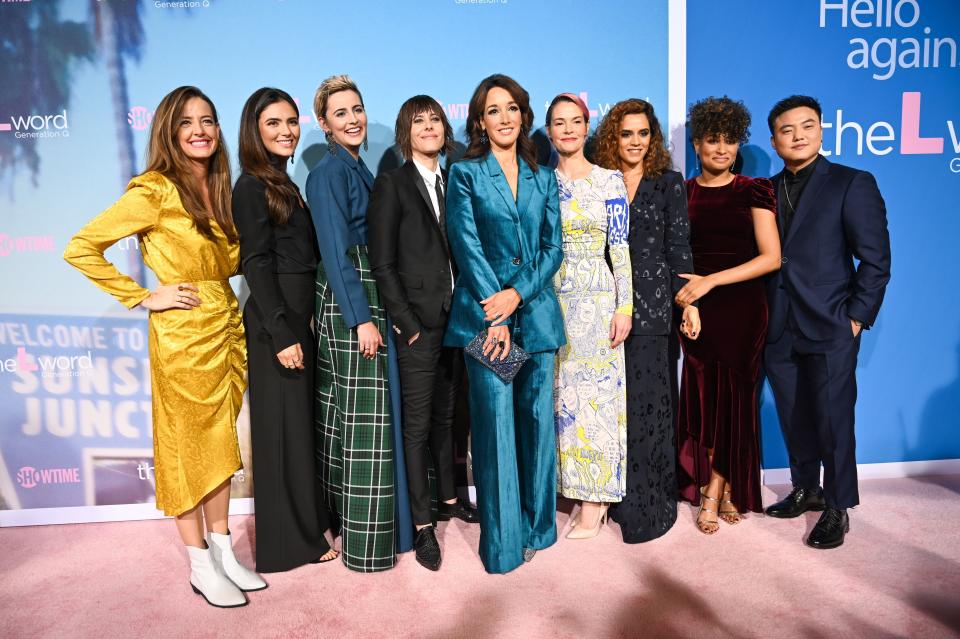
[505,369]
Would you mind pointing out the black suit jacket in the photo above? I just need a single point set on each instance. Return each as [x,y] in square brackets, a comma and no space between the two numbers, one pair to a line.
[841,216]
[409,256]
[659,238]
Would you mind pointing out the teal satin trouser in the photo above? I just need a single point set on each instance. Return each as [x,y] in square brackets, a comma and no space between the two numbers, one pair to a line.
[514,447]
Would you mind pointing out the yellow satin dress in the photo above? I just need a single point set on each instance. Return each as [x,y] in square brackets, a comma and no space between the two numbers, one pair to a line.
[198,356]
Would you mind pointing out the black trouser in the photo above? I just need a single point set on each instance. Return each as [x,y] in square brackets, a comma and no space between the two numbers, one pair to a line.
[815,386]
[430,376]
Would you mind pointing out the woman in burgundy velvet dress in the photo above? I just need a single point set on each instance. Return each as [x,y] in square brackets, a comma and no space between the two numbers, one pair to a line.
[735,242]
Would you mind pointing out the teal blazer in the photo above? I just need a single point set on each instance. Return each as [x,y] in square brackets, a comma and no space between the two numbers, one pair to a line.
[498,243]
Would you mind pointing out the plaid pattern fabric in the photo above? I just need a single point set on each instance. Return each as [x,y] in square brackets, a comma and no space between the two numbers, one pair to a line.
[353,424]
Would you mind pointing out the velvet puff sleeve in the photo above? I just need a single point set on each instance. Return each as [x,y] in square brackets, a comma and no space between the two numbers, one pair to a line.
[762,195]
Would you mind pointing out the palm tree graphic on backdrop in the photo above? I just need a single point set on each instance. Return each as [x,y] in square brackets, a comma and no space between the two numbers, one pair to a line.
[38,55]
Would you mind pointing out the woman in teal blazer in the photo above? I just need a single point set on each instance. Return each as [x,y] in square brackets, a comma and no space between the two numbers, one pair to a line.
[503,226]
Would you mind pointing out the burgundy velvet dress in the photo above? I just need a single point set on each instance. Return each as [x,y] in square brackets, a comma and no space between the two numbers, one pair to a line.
[718,389]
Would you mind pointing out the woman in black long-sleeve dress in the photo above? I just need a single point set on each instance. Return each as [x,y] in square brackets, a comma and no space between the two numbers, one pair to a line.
[278,254]
[630,139]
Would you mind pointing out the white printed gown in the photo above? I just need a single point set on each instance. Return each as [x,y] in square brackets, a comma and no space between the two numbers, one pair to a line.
[591,415]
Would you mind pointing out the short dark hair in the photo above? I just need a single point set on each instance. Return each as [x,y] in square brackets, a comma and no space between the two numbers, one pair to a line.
[479,143]
[719,117]
[412,108]
[792,102]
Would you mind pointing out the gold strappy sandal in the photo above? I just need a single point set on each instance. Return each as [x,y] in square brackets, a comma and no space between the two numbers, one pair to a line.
[730,515]
[704,525]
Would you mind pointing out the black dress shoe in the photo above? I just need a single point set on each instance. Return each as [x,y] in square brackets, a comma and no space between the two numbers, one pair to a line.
[799,501]
[458,509]
[427,549]
[829,531]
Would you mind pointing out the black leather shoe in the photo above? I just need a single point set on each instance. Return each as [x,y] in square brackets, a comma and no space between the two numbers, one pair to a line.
[829,531]
[460,510]
[427,549]
[799,501]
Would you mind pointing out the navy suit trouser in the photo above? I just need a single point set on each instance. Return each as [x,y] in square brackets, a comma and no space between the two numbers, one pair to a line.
[815,387]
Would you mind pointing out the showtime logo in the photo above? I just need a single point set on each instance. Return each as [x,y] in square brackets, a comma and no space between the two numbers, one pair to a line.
[139,118]
[38,126]
[30,477]
[878,138]
[26,244]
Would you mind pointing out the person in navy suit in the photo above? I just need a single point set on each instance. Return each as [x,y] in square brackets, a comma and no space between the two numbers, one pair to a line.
[821,300]
[503,223]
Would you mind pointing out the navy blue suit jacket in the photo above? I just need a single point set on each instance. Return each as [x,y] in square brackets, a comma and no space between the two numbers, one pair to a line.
[499,243]
[841,217]
[338,191]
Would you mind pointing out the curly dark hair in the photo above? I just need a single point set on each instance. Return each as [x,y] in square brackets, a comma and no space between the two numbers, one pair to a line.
[607,153]
[719,117]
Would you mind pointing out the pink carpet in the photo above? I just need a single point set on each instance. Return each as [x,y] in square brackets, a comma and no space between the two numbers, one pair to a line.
[898,575]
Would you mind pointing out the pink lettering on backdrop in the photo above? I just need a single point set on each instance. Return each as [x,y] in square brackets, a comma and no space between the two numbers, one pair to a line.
[910,141]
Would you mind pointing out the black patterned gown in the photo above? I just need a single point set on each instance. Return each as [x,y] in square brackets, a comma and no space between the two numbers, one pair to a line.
[659,252]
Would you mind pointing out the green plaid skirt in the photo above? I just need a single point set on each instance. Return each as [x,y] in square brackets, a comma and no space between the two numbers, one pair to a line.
[353,424]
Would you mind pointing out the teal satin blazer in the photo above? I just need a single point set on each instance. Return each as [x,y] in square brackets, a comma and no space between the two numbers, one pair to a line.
[498,243]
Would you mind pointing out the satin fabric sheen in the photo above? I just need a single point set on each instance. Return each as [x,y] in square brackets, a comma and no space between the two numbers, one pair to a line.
[718,390]
[198,356]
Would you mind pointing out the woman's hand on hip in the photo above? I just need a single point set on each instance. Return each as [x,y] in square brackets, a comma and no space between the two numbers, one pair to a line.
[499,306]
[291,356]
[620,327]
[169,296]
[369,339]
[497,342]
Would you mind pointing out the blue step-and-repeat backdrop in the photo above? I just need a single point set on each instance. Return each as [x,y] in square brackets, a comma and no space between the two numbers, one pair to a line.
[80,79]
[887,73]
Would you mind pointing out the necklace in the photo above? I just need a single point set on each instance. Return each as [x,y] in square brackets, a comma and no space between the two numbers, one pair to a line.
[786,193]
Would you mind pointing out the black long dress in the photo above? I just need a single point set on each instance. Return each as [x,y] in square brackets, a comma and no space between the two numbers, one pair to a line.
[279,264]
[659,240]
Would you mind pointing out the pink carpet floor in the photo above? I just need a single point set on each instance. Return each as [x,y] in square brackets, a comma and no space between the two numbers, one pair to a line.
[898,575]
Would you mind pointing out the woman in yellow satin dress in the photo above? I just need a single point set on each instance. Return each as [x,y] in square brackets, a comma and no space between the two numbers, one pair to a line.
[180,210]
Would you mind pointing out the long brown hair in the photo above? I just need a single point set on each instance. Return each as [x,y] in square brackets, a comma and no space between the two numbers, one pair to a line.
[657,159]
[282,194]
[165,156]
[479,143]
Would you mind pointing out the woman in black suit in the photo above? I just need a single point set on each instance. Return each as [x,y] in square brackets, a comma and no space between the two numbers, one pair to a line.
[630,140]
[278,255]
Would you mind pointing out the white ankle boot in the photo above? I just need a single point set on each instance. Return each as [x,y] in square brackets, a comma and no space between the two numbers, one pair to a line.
[209,582]
[222,548]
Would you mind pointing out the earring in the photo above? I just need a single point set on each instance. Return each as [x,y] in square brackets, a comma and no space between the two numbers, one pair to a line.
[291,158]
[331,143]
[366,146]
[483,137]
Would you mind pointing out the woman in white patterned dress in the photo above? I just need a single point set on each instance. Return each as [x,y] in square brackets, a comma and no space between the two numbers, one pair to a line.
[591,418]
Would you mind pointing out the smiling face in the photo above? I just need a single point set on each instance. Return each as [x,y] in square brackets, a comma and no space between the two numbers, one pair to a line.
[427,137]
[634,140]
[567,128]
[716,153]
[279,129]
[197,130]
[501,119]
[797,136]
[345,120]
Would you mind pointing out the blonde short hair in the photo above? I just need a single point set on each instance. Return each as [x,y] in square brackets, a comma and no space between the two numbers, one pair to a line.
[333,84]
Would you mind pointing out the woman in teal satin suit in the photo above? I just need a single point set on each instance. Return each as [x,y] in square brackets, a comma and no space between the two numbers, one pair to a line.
[503,226]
